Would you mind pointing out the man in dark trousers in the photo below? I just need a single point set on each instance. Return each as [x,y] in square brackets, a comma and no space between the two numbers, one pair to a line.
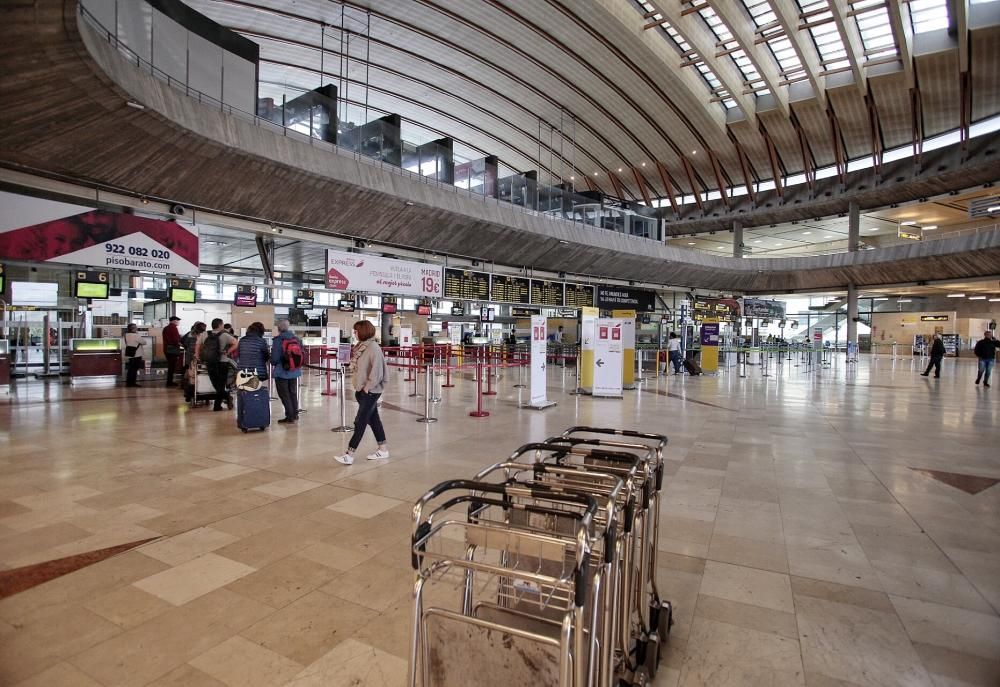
[172,348]
[986,351]
[937,355]
[215,351]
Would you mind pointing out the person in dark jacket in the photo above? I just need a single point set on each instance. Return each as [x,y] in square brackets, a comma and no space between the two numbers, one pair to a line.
[986,351]
[172,348]
[937,355]
[285,381]
[252,353]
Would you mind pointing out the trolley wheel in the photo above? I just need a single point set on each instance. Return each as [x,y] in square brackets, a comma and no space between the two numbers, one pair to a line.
[641,677]
[662,616]
[244,430]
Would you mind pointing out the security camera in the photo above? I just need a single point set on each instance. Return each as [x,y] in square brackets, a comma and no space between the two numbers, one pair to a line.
[177,210]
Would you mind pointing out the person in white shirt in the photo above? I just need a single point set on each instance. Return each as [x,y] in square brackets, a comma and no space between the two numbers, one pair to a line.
[558,337]
[674,351]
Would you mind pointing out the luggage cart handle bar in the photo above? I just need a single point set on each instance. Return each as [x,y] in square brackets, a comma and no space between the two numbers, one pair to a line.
[602,454]
[661,438]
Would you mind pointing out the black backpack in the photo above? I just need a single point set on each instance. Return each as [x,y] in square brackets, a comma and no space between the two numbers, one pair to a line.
[211,349]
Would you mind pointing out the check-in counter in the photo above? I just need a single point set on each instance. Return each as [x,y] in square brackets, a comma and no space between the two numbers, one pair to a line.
[314,349]
[95,361]
[4,365]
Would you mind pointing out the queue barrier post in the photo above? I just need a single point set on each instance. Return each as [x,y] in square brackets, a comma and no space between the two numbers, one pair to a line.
[428,382]
[435,397]
[344,427]
[520,375]
[415,375]
[479,412]
[329,391]
[490,391]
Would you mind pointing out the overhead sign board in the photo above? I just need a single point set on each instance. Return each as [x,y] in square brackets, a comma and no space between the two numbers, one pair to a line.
[359,272]
[910,233]
[466,285]
[110,240]
[579,296]
[625,298]
[245,300]
[305,299]
[548,293]
[346,305]
[934,318]
[507,289]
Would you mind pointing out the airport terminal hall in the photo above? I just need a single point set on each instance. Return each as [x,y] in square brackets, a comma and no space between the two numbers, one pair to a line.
[496,343]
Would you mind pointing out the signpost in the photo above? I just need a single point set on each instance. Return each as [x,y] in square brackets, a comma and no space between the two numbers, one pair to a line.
[608,357]
[588,322]
[539,350]
[628,343]
[710,346]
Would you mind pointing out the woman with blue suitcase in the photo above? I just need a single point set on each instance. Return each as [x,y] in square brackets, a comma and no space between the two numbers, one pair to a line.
[253,410]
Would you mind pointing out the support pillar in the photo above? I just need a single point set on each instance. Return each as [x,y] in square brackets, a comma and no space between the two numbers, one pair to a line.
[853,227]
[386,328]
[852,325]
[737,240]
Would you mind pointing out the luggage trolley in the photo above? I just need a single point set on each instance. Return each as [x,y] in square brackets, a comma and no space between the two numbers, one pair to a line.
[631,664]
[503,602]
[615,627]
[657,614]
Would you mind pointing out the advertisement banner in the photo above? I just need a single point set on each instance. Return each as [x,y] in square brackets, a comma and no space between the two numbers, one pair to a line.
[628,341]
[588,320]
[625,297]
[609,353]
[374,274]
[767,310]
[109,240]
[710,346]
[539,350]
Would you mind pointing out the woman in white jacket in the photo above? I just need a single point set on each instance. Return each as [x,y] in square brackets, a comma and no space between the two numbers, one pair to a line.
[370,373]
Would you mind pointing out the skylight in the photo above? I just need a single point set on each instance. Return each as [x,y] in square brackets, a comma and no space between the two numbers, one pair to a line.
[876,31]
[817,17]
[751,76]
[771,31]
[928,15]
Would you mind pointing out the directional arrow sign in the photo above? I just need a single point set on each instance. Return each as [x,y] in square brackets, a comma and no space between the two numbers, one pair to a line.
[599,363]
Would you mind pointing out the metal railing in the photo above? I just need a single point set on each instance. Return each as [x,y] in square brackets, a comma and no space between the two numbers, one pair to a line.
[145,65]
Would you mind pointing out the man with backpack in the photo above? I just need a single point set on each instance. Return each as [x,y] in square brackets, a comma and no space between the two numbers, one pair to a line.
[215,350]
[287,358]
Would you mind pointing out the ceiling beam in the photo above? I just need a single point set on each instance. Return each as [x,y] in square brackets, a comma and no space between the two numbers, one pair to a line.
[720,179]
[958,15]
[762,59]
[788,16]
[641,181]
[702,40]
[668,187]
[694,184]
[849,33]
[902,34]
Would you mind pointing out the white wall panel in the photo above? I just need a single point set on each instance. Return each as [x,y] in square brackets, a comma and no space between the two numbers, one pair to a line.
[135,22]
[204,66]
[239,85]
[169,46]
[103,11]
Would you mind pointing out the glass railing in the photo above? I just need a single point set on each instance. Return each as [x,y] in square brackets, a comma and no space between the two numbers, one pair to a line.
[378,142]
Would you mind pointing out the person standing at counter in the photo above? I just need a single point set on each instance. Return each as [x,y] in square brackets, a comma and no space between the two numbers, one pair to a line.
[215,351]
[286,366]
[370,374]
[252,353]
[133,354]
[173,349]
[674,351]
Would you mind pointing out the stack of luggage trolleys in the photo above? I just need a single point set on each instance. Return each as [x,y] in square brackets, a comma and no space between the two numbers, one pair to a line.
[541,569]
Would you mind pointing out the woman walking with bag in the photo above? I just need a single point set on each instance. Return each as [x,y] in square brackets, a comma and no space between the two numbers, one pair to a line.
[370,375]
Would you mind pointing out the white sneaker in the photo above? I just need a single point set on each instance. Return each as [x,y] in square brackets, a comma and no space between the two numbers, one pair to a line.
[378,454]
[346,459]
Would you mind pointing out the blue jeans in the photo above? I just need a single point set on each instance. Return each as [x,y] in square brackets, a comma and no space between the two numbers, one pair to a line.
[367,415]
[985,369]
[675,358]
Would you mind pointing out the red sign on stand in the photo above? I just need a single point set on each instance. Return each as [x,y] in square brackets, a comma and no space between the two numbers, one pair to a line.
[603,333]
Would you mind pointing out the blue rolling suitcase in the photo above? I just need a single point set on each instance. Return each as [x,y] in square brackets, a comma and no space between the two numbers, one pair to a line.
[253,409]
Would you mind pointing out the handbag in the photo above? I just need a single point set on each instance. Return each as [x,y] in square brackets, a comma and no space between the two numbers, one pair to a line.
[130,351]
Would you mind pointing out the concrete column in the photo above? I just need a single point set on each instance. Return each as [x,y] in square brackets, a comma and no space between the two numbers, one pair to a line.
[386,327]
[852,314]
[737,240]
[853,227]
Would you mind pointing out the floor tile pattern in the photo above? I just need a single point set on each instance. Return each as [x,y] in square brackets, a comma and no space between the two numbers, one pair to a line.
[828,527]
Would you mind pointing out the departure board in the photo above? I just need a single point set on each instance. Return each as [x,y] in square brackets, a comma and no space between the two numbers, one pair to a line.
[579,296]
[547,293]
[510,289]
[463,285]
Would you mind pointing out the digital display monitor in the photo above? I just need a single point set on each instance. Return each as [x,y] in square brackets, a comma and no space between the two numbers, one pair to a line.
[178,295]
[38,294]
[305,299]
[457,311]
[466,285]
[423,310]
[346,306]
[91,290]
[245,300]
[487,314]
[389,308]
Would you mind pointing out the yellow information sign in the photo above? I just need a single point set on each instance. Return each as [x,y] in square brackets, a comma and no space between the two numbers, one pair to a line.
[628,346]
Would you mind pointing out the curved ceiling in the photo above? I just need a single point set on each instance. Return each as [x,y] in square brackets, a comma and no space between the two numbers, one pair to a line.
[645,98]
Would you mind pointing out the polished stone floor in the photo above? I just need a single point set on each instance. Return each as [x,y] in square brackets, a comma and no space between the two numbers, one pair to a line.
[827,527]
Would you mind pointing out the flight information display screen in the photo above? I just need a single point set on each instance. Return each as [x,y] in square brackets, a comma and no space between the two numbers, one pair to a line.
[547,293]
[465,285]
[505,289]
[579,296]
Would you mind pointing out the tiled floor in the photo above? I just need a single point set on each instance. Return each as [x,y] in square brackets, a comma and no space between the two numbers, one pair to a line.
[814,530]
